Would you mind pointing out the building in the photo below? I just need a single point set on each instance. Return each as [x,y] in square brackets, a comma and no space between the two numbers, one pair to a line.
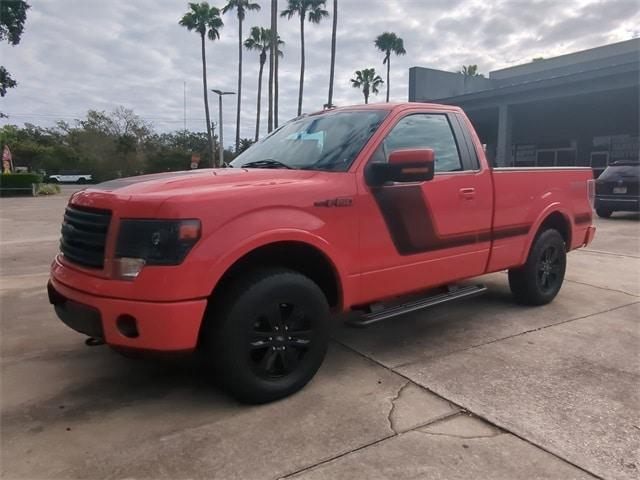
[578,109]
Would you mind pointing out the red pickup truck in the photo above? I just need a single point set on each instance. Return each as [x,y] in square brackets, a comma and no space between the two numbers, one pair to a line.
[357,208]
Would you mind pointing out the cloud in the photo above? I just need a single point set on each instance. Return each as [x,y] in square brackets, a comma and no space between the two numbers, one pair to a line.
[82,54]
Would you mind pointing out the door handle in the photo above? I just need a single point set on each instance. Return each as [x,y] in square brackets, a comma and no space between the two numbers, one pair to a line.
[468,193]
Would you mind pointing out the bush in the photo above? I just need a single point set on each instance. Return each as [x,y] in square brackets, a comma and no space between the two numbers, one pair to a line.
[47,189]
[19,180]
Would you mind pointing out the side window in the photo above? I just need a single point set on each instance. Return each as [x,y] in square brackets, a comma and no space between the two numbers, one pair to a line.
[423,131]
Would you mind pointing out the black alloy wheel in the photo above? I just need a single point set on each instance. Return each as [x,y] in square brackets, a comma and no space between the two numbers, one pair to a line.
[539,280]
[279,339]
[549,269]
[266,334]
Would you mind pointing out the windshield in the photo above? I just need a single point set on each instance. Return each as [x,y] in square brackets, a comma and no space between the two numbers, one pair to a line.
[329,141]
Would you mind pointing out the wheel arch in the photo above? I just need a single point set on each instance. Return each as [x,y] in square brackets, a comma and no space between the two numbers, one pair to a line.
[296,255]
[554,217]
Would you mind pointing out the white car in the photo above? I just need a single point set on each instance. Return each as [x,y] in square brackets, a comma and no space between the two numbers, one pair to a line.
[68,177]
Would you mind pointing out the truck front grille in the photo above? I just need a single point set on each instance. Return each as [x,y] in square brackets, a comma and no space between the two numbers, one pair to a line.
[84,235]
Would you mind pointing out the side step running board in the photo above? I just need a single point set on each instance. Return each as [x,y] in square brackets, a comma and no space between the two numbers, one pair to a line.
[454,293]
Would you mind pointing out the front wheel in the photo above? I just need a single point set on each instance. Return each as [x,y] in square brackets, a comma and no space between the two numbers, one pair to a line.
[267,334]
[539,280]
[604,212]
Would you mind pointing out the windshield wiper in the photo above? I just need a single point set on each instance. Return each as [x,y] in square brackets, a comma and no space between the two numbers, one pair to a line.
[266,163]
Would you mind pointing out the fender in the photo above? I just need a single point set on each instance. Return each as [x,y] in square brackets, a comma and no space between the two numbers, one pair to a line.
[556,206]
[236,240]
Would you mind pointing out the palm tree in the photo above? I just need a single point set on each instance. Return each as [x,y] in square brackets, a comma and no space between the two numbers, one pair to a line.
[205,20]
[273,66]
[244,144]
[274,46]
[241,7]
[315,14]
[470,71]
[333,53]
[387,43]
[260,40]
[368,81]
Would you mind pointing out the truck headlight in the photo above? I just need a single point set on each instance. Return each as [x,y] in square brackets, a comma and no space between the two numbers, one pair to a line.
[153,242]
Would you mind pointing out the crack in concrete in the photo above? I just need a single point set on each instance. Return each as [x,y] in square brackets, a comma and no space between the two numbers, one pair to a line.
[600,252]
[463,437]
[393,407]
[601,288]
[380,440]
[462,410]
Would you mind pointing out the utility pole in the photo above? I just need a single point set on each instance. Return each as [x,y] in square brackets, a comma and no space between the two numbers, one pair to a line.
[220,93]
[184,97]
[333,53]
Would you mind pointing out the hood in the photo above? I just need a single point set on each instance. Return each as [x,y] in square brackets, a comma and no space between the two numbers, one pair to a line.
[200,181]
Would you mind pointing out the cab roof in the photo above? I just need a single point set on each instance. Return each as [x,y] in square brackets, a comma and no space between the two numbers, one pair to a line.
[392,107]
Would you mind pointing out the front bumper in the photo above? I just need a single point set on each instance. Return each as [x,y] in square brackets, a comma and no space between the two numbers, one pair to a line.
[617,202]
[159,326]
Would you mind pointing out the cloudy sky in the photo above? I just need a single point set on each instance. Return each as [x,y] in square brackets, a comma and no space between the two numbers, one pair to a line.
[77,55]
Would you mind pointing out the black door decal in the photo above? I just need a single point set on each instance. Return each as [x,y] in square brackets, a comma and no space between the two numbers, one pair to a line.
[411,226]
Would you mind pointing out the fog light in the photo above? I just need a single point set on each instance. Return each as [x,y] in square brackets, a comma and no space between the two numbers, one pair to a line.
[127,326]
[128,268]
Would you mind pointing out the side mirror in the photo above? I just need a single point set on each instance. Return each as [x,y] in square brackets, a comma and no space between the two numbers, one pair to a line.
[415,165]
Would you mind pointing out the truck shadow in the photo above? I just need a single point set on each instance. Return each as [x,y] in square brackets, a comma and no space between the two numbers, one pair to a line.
[628,216]
[456,326]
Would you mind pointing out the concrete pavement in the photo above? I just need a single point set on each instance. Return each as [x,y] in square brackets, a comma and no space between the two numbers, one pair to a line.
[480,389]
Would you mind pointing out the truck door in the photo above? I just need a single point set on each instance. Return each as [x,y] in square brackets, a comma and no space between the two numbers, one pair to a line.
[416,236]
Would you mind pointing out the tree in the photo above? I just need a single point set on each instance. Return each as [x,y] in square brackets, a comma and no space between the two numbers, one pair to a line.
[272,65]
[470,71]
[305,9]
[333,53]
[244,144]
[274,47]
[104,144]
[241,7]
[368,81]
[6,81]
[260,40]
[205,20]
[388,43]
[13,15]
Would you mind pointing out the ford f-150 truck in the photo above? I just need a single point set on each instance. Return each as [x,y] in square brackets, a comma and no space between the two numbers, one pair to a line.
[380,208]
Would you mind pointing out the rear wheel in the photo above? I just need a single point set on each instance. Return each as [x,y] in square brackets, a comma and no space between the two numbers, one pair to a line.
[539,280]
[604,212]
[267,334]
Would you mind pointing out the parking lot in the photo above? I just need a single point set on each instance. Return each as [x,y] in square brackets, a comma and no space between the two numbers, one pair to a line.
[483,388]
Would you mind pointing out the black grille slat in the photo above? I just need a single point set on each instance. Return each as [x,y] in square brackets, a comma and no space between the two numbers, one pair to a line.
[84,235]
[86,225]
[81,256]
[81,236]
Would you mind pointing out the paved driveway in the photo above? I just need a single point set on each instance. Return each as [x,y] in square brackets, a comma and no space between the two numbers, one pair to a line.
[478,389]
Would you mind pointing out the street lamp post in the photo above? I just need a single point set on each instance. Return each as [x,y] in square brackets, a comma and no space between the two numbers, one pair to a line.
[220,93]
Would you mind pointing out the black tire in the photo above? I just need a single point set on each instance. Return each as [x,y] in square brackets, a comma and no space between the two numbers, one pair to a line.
[539,280]
[82,181]
[603,212]
[267,334]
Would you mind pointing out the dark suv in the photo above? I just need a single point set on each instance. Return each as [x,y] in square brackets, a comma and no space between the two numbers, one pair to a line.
[617,188]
